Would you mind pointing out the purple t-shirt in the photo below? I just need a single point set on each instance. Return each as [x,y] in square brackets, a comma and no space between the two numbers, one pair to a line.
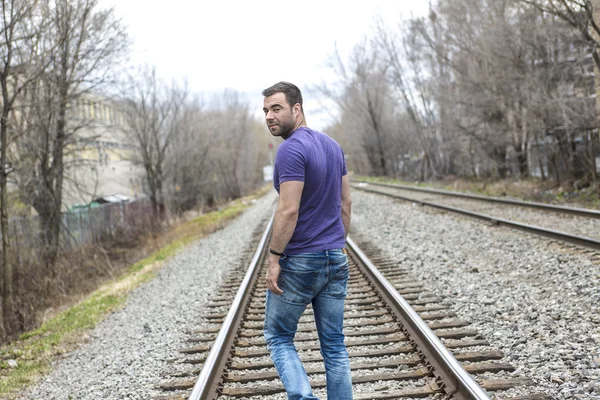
[317,160]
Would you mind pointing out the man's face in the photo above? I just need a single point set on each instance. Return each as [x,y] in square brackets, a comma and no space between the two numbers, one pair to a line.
[279,115]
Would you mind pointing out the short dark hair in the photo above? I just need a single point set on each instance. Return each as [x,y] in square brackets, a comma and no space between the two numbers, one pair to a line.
[292,94]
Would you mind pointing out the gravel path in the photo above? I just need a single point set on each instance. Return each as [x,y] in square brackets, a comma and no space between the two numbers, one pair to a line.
[127,353]
[531,299]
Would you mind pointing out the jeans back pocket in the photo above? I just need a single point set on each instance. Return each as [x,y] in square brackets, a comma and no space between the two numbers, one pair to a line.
[337,286]
[297,282]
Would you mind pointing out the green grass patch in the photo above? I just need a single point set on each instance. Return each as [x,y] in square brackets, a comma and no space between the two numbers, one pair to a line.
[225,214]
[35,350]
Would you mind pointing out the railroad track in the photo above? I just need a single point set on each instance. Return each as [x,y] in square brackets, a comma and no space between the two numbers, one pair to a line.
[551,216]
[402,340]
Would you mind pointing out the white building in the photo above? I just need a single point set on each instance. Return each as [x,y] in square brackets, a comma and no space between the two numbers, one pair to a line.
[102,161]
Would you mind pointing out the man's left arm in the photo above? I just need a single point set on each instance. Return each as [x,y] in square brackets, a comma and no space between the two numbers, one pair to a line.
[284,224]
[346,204]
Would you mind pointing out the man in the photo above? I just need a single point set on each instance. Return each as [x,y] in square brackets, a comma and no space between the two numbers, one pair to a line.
[307,260]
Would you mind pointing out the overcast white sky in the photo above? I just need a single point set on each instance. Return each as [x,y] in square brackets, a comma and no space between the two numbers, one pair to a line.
[249,45]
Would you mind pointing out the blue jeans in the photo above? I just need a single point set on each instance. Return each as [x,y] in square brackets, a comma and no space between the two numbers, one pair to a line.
[319,278]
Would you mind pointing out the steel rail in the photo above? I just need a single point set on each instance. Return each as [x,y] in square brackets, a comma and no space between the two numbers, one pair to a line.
[581,212]
[549,233]
[457,381]
[209,379]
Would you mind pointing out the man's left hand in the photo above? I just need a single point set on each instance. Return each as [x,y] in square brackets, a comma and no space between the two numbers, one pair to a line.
[273,275]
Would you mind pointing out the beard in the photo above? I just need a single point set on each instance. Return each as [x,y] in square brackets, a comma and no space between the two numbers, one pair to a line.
[284,128]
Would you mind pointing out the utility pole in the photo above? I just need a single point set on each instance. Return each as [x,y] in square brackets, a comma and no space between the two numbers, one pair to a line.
[596,19]
[268,169]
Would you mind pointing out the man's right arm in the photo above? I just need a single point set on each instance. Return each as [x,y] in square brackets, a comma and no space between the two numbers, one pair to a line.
[346,204]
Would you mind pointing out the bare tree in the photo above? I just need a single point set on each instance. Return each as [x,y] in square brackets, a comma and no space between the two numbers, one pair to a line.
[82,45]
[19,32]
[237,165]
[188,163]
[583,16]
[230,148]
[471,88]
[367,109]
[407,75]
[494,85]
[580,14]
[153,118]
[235,153]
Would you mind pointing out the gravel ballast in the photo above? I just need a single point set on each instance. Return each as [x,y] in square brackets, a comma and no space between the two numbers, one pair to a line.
[127,354]
[537,302]
[572,224]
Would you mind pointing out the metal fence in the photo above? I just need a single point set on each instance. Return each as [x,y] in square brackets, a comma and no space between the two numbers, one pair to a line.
[82,227]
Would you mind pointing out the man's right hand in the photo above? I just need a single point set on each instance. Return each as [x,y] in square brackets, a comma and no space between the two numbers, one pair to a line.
[273,274]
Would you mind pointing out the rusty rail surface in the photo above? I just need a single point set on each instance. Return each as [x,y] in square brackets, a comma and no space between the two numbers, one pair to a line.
[537,230]
[581,212]
[207,384]
[456,380]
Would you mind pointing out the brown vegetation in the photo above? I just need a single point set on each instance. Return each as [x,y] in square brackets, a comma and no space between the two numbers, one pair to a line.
[484,89]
